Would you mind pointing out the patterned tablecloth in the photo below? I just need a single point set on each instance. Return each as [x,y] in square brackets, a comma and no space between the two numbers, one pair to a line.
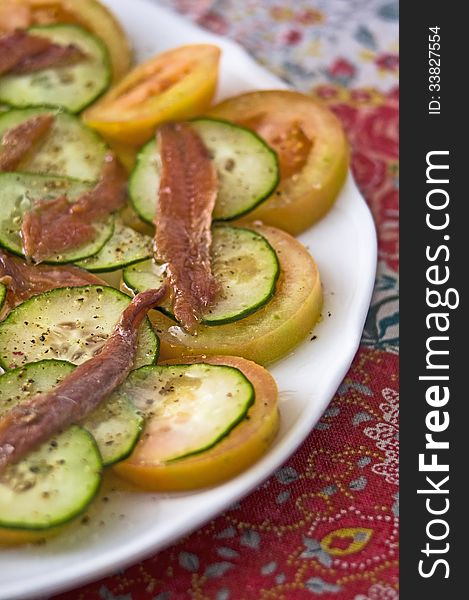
[325,524]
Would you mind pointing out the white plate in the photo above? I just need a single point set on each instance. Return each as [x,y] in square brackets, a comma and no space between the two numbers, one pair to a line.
[344,245]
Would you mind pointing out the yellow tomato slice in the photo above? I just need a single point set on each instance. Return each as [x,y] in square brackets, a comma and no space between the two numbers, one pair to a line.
[177,84]
[16,537]
[90,14]
[273,330]
[245,444]
[312,150]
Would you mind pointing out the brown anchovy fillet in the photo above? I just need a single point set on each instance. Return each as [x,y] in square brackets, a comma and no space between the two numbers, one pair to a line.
[187,194]
[54,226]
[19,141]
[21,52]
[29,424]
[24,281]
[54,56]
[17,45]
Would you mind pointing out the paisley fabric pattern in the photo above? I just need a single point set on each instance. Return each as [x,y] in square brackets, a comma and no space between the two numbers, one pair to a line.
[325,525]
[344,42]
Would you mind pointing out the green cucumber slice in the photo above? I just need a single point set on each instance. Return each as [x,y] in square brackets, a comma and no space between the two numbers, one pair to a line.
[188,408]
[3,294]
[69,324]
[72,87]
[144,275]
[244,264]
[125,247]
[247,169]
[18,191]
[70,149]
[144,182]
[115,425]
[52,484]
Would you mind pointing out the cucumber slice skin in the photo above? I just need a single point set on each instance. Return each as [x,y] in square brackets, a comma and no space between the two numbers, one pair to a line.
[124,248]
[144,179]
[70,149]
[17,192]
[115,424]
[139,378]
[150,276]
[27,331]
[14,88]
[73,464]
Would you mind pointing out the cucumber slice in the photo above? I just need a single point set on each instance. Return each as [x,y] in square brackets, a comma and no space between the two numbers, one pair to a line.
[145,275]
[70,149]
[3,293]
[68,324]
[115,425]
[20,384]
[244,264]
[247,169]
[188,408]
[72,87]
[144,182]
[52,484]
[125,247]
[18,191]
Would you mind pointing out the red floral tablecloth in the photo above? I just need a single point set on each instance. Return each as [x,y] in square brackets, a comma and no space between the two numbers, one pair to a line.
[325,524]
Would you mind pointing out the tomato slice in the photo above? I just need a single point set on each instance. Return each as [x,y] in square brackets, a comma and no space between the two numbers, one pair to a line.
[312,150]
[245,444]
[17,537]
[177,84]
[90,14]
[273,330]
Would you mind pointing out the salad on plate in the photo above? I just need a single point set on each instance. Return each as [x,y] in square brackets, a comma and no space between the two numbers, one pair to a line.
[148,266]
